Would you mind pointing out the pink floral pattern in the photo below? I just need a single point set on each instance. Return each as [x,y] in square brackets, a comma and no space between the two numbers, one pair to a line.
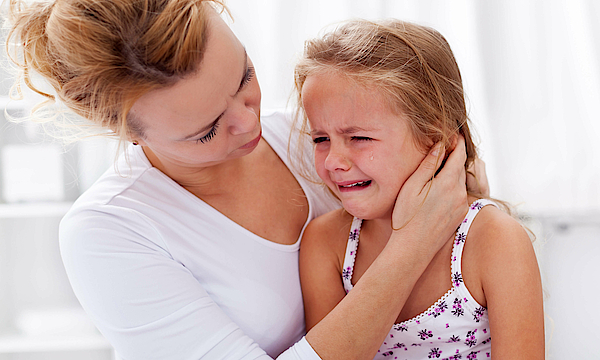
[454,327]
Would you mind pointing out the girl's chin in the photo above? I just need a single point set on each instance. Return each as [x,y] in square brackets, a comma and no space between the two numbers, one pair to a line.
[367,213]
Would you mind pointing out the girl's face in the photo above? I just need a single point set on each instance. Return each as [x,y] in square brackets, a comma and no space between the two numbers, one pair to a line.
[364,152]
[210,116]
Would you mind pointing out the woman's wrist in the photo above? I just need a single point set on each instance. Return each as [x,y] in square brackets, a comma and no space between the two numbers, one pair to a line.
[418,248]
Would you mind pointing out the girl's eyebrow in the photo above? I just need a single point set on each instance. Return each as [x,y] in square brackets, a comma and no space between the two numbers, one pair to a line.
[345,131]
[354,129]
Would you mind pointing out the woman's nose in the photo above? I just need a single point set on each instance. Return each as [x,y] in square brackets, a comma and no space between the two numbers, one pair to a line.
[245,120]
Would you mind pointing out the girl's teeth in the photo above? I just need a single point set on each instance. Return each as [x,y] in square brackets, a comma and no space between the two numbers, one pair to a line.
[360,183]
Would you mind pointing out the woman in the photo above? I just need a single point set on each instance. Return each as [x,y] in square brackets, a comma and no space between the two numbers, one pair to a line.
[189,248]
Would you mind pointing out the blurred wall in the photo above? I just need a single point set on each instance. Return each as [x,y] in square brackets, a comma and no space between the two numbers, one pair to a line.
[531,71]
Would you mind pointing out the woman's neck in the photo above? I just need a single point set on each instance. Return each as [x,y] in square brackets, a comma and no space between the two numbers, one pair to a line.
[210,180]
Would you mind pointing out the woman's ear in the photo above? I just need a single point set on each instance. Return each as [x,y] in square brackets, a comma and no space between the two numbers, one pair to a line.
[136,141]
[135,138]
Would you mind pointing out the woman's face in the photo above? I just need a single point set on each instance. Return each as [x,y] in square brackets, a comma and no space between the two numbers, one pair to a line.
[210,116]
[364,152]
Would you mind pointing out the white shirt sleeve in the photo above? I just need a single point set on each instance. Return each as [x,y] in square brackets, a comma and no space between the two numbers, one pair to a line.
[148,305]
[301,350]
[231,348]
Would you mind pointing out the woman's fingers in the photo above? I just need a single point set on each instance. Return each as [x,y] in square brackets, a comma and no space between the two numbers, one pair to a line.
[412,193]
[450,186]
[477,180]
[434,207]
[455,164]
[417,181]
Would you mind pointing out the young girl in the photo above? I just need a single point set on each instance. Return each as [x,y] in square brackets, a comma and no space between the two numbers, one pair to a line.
[377,97]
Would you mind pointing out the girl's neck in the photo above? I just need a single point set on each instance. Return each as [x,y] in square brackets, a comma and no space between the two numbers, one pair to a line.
[380,228]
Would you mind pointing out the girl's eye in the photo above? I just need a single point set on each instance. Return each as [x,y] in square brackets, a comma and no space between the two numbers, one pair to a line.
[361,138]
[320,139]
[247,77]
[206,138]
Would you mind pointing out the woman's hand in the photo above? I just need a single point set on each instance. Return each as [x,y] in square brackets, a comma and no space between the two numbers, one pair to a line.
[429,209]
[477,181]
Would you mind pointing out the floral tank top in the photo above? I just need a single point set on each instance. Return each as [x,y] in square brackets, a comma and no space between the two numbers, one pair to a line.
[454,327]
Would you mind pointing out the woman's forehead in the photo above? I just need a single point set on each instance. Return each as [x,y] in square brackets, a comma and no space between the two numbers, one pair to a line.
[197,99]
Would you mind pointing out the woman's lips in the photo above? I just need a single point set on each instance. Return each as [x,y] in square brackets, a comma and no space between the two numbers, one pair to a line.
[252,143]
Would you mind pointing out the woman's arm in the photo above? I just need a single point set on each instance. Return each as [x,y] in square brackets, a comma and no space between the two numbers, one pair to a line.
[357,326]
[511,282]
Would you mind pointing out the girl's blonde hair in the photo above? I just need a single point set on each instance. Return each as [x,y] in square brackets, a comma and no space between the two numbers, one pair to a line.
[412,66]
[100,56]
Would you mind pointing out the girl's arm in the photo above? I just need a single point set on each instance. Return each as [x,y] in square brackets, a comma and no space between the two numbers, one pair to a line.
[320,265]
[358,324]
[511,282]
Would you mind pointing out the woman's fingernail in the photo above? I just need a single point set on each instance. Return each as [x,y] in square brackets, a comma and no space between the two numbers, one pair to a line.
[436,150]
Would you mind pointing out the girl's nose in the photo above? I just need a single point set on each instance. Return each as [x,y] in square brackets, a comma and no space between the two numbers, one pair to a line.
[337,160]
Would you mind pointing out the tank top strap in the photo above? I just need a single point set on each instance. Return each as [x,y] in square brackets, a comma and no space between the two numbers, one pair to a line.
[459,242]
[350,256]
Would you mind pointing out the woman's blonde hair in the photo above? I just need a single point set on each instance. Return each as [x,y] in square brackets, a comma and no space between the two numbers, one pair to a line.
[100,56]
[411,65]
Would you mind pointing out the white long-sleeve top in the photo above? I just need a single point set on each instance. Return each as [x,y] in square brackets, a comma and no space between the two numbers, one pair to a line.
[163,275]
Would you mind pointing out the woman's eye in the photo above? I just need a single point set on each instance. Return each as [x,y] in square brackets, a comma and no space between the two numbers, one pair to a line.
[320,139]
[247,77]
[206,138]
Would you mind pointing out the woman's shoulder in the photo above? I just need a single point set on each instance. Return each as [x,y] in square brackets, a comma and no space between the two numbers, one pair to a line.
[276,124]
[125,201]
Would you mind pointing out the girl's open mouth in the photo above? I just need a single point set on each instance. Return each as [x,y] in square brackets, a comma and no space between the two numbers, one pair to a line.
[359,184]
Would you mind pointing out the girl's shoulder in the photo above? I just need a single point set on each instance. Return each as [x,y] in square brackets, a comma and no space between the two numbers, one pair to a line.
[493,228]
[327,233]
[495,242]
[334,223]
